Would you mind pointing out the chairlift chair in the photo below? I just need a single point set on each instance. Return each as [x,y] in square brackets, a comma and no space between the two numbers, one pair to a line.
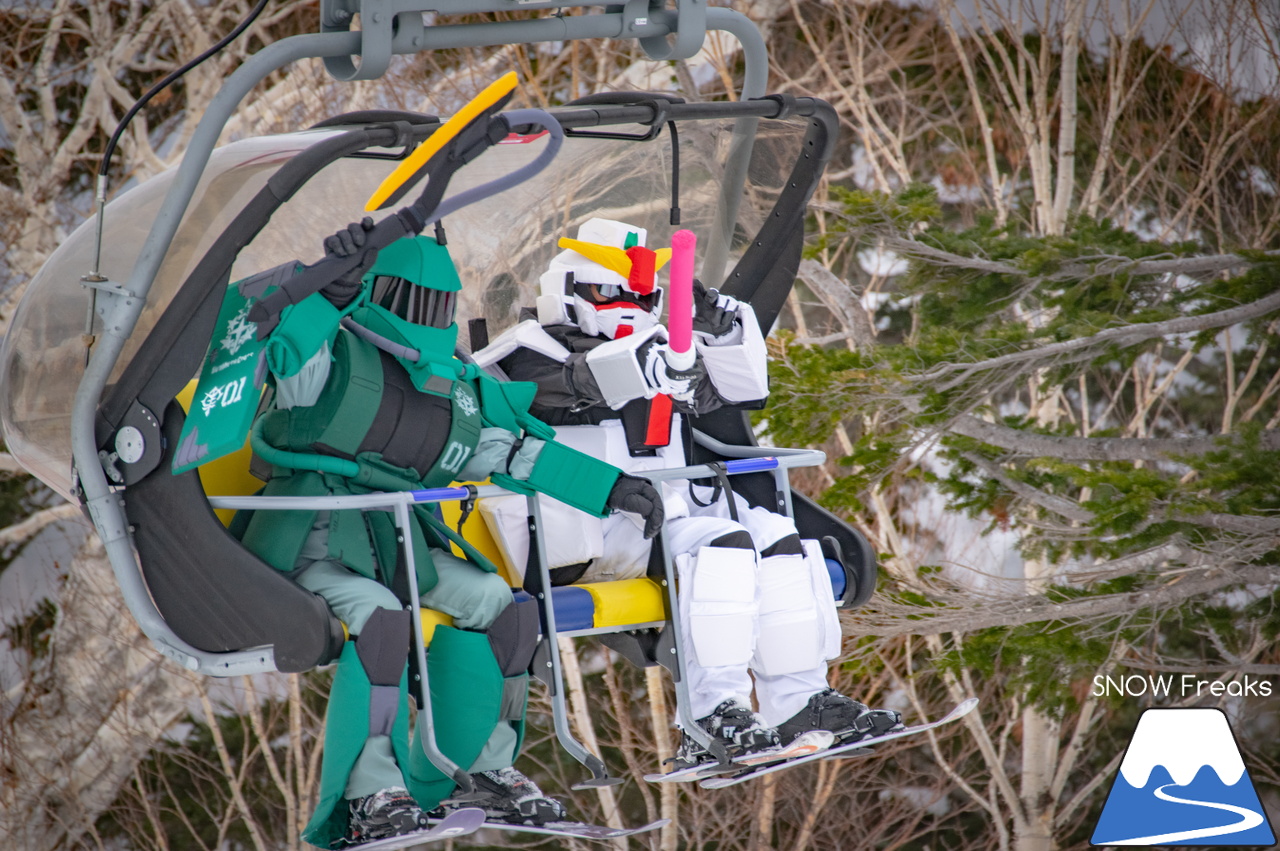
[104,434]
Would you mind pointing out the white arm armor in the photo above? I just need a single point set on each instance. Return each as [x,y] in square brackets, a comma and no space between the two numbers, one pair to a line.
[740,371]
[617,370]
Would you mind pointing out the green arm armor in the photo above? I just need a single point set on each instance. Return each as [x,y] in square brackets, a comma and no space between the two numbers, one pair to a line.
[304,328]
[573,477]
[505,404]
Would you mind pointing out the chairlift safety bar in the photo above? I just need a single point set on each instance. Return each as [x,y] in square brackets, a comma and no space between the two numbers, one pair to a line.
[777,461]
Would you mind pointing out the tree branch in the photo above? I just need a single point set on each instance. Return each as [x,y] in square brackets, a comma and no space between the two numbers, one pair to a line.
[841,298]
[1128,335]
[1021,611]
[23,531]
[1056,504]
[1031,444]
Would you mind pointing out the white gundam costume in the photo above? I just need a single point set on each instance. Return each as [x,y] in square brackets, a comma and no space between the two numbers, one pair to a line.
[753,597]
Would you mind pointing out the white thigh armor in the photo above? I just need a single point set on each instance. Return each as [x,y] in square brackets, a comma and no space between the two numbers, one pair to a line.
[798,628]
[718,603]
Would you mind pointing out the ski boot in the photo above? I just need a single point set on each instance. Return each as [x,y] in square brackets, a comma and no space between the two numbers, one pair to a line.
[506,795]
[733,724]
[847,719]
[390,812]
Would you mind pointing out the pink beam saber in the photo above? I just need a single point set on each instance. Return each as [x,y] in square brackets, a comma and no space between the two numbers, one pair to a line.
[680,317]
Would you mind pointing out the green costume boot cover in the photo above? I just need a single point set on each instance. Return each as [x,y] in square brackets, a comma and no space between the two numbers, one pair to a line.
[346,718]
[467,703]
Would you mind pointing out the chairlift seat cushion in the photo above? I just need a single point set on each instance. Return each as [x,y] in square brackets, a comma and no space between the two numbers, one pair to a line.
[626,601]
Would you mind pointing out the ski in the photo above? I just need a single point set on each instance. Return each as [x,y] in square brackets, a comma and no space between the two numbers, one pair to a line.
[747,774]
[806,744]
[456,823]
[571,828]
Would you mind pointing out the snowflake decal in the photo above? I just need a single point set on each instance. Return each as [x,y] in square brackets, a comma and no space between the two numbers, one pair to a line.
[239,331]
[466,402]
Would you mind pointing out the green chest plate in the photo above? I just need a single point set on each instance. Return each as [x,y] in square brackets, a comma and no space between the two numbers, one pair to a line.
[464,434]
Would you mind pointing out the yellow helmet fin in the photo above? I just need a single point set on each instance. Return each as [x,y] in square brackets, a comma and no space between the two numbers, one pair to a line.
[613,259]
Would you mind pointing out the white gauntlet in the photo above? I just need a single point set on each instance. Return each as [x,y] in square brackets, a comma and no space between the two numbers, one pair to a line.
[618,367]
[663,378]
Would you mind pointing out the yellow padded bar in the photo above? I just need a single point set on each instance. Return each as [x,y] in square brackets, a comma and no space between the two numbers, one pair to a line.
[430,620]
[626,601]
[477,533]
[228,475]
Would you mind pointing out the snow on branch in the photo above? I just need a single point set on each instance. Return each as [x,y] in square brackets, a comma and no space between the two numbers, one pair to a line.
[19,532]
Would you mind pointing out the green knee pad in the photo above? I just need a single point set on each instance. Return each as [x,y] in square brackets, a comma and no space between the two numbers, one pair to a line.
[469,698]
[348,723]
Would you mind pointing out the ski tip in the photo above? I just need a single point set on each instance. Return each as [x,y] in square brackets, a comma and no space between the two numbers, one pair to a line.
[653,825]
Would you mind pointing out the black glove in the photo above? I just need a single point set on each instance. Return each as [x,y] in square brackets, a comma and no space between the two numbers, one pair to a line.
[347,243]
[639,496]
[709,316]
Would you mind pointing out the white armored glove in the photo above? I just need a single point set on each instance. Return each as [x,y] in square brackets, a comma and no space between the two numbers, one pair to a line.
[661,377]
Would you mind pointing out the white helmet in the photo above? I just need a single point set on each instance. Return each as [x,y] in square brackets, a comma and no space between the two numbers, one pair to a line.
[609,277]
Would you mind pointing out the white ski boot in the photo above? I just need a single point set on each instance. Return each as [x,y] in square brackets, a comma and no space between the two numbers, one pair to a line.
[389,812]
[740,730]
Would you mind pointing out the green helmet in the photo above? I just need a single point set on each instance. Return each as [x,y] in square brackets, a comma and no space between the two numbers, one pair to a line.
[415,279]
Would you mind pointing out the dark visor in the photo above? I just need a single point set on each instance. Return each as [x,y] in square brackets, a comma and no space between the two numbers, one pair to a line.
[602,294]
[419,305]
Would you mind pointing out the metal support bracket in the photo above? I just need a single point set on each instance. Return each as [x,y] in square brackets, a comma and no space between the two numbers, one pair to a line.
[546,660]
[383,22]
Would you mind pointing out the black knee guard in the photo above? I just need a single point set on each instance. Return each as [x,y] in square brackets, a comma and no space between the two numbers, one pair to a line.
[383,648]
[513,638]
[788,545]
[739,540]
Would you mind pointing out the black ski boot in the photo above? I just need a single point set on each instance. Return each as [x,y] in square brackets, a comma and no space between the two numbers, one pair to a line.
[390,812]
[733,724]
[507,795]
[846,718]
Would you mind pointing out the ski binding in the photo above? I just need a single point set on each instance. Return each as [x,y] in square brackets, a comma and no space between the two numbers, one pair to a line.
[960,711]
[455,824]
[577,829]
[806,744]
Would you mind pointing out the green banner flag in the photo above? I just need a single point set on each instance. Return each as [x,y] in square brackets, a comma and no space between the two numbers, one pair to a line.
[231,381]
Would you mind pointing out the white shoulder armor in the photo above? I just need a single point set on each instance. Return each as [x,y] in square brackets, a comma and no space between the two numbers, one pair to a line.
[740,372]
[526,335]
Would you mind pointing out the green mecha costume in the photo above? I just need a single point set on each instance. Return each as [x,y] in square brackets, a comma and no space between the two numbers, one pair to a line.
[380,403]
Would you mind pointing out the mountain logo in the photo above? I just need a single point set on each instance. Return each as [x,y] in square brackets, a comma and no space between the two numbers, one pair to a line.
[1183,782]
